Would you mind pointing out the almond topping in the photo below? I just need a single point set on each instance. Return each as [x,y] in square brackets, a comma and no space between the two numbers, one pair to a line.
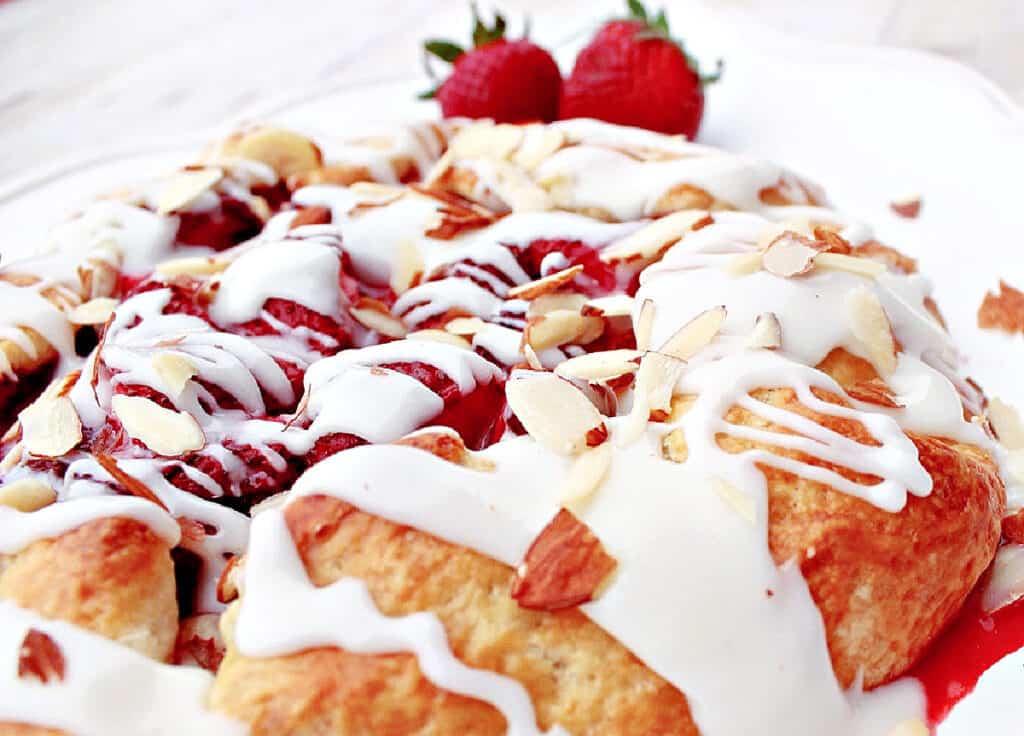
[913,727]
[645,325]
[532,359]
[447,446]
[93,312]
[547,284]
[561,327]
[184,188]
[487,140]
[871,327]
[227,583]
[50,427]
[657,378]
[539,142]
[26,495]
[586,474]
[744,264]
[907,207]
[740,502]
[193,266]
[695,335]
[553,412]
[790,255]
[287,153]
[174,370]
[767,332]
[374,316]
[651,242]
[165,432]
[408,267]
[1003,311]
[850,264]
[129,482]
[1006,585]
[440,336]
[465,326]
[617,305]
[559,300]
[565,566]
[1007,423]
[874,391]
[601,365]
[40,658]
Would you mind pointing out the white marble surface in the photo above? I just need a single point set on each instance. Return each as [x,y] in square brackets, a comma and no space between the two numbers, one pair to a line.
[85,74]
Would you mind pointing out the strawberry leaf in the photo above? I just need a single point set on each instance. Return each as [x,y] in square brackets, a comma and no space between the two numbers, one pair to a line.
[483,34]
[444,50]
[637,11]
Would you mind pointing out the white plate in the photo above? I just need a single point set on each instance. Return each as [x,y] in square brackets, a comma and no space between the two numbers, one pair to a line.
[873,125]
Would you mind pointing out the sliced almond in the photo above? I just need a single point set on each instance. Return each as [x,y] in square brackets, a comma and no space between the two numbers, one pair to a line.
[644,325]
[1006,585]
[767,332]
[375,316]
[532,359]
[740,502]
[50,427]
[653,240]
[1007,423]
[465,326]
[907,207]
[408,267]
[850,264]
[695,335]
[93,312]
[657,378]
[600,366]
[539,142]
[192,266]
[561,327]
[744,264]
[790,254]
[27,495]
[912,727]
[585,476]
[545,285]
[487,140]
[553,412]
[165,432]
[175,371]
[550,302]
[617,305]
[440,336]
[287,153]
[186,187]
[674,446]
[871,327]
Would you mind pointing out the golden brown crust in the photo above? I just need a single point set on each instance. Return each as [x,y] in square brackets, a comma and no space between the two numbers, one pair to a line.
[113,577]
[576,674]
[23,729]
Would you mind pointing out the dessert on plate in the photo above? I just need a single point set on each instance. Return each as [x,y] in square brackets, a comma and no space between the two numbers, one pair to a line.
[564,428]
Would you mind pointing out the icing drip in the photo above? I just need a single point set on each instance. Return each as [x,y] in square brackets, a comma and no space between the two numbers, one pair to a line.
[25,307]
[107,690]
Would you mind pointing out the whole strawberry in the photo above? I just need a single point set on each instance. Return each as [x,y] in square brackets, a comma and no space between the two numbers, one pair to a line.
[509,81]
[634,73]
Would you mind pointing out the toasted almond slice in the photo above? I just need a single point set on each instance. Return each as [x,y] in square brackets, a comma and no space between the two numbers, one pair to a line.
[377,192]
[644,325]
[440,336]
[185,187]
[553,412]
[740,502]
[285,152]
[657,378]
[1007,423]
[795,225]
[600,366]
[561,327]
[165,432]
[871,327]
[27,494]
[373,317]
[408,267]
[653,240]
[674,447]
[518,191]
[912,727]
[545,285]
[907,207]
[550,302]
[192,266]
[616,305]
[40,658]
[14,455]
[790,254]
[744,264]
[532,358]
[50,427]
[93,312]
[695,335]
[175,371]
[539,142]
[1006,585]
[767,332]
[585,476]
[465,326]
[487,140]
[850,264]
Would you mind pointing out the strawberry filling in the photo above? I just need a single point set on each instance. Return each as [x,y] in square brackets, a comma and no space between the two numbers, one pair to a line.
[598,278]
[231,223]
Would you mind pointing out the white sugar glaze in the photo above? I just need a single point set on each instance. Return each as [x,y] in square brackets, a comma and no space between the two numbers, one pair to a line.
[107,690]
[24,306]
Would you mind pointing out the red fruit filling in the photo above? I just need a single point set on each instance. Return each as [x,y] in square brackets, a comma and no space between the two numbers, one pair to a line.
[231,223]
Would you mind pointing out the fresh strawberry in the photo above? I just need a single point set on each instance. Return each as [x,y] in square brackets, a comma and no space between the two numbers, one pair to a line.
[508,81]
[634,73]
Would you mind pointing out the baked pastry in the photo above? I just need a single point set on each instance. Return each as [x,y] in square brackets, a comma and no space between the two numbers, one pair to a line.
[590,431]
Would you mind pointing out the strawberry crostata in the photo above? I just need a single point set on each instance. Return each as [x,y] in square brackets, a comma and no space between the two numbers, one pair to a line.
[561,428]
